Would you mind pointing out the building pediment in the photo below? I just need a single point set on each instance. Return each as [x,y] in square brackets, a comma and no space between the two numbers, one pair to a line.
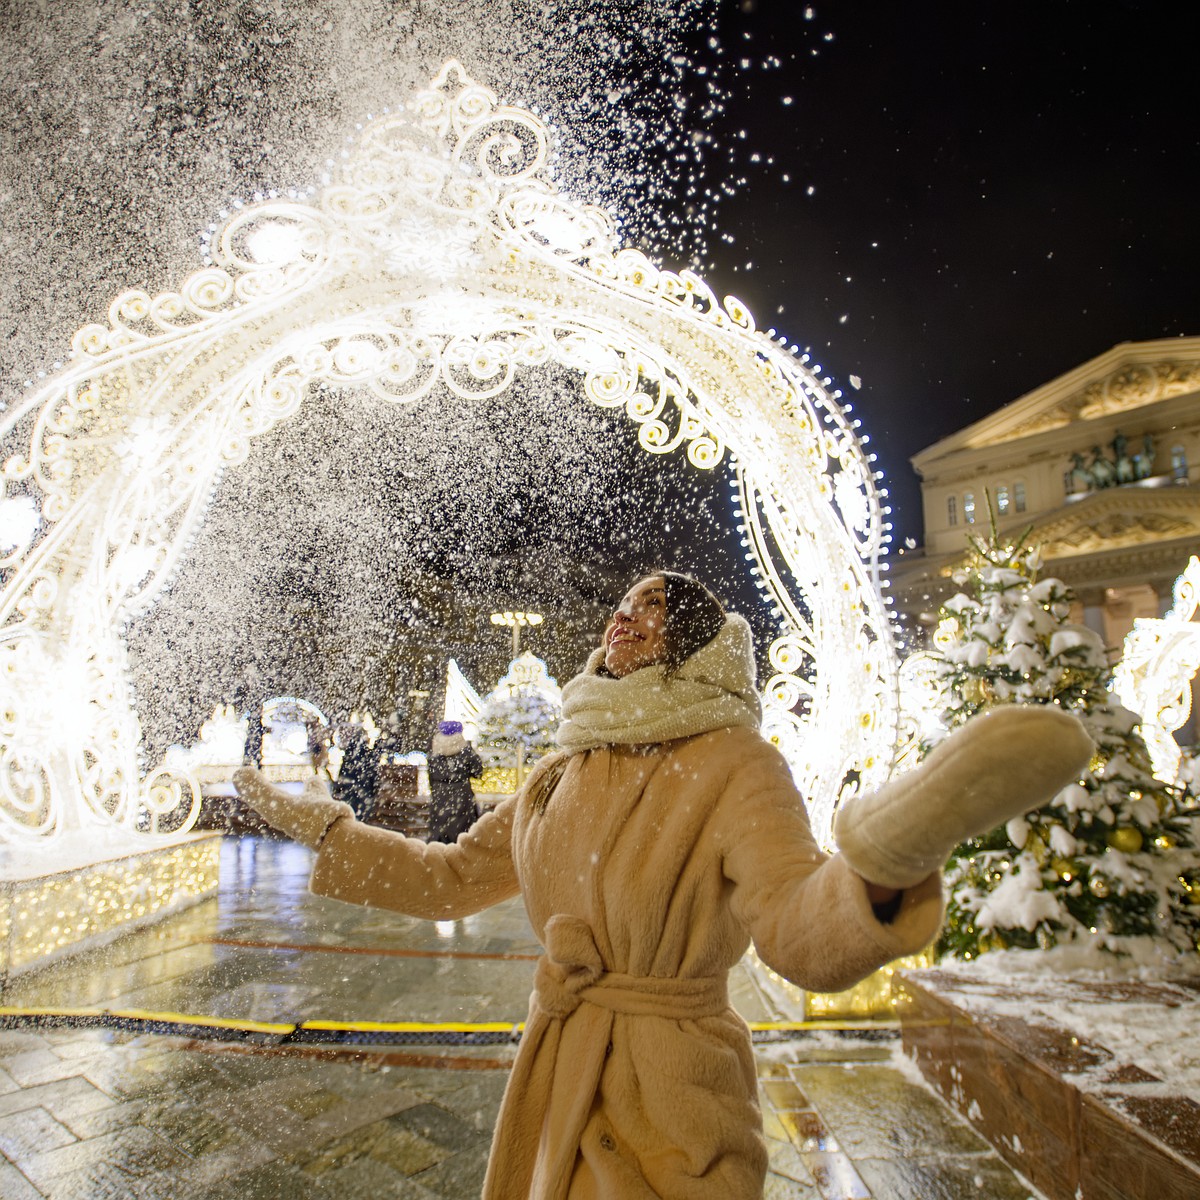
[1130,376]
[1115,519]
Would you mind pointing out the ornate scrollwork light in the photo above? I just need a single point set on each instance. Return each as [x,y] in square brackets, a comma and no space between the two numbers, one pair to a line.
[441,252]
[1160,659]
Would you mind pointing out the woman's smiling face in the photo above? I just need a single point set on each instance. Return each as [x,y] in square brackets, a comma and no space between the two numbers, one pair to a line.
[636,636]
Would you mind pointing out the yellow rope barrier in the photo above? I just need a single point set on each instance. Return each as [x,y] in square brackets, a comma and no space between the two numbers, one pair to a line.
[286,1029]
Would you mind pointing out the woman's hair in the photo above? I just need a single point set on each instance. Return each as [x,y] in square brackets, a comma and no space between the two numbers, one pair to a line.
[694,617]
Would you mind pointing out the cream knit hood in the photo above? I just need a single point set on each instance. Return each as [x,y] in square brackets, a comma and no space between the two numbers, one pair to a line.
[714,689]
[447,744]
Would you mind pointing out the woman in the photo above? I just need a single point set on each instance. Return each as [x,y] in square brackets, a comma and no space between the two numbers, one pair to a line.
[664,838]
[453,763]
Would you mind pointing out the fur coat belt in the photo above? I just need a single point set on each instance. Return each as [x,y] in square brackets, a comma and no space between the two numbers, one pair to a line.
[571,973]
[570,1017]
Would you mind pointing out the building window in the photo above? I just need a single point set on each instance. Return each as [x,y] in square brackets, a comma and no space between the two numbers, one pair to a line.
[1179,464]
[1002,499]
[1019,497]
[969,508]
[952,510]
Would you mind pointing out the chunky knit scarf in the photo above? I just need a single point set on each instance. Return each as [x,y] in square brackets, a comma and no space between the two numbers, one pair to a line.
[714,689]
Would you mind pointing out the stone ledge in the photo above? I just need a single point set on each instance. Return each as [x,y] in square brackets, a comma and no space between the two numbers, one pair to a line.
[1063,1110]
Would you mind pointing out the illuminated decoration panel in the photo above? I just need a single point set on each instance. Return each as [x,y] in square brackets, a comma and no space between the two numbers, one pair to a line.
[870,998]
[441,252]
[1160,659]
[45,915]
[222,741]
[462,701]
[922,701]
[528,673]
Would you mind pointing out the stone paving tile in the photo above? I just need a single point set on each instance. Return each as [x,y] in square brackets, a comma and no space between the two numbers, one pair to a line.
[269,1181]
[212,1171]
[473,1097]
[784,1160]
[458,1176]
[95,1180]
[120,1114]
[149,1072]
[64,1099]
[369,1179]
[82,1043]
[400,1149]
[983,1177]
[30,1131]
[17,1041]
[31,1067]
[835,1176]
[136,1151]
[14,1185]
[777,1187]
[875,1112]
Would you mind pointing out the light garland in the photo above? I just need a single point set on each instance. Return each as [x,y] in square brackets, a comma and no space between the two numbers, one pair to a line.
[442,252]
[1159,660]
[43,916]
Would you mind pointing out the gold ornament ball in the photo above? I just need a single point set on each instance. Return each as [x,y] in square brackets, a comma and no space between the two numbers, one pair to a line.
[972,691]
[1065,868]
[1126,839]
[1098,886]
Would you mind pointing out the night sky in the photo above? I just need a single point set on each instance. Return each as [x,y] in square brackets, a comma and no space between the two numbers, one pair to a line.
[999,193]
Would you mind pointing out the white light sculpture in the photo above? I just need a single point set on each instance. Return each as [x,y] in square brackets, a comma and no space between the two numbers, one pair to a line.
[442,252]
[1160,659]
[528,673]
[463,702]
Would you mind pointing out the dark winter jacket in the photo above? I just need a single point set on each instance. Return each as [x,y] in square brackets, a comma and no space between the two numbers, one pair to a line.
[358,779]
[452,765]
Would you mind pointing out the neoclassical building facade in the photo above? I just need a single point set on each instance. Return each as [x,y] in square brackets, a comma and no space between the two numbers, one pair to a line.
[1101,464]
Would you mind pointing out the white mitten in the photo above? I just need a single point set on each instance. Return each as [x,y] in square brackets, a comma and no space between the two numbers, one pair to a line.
[1001,764]
[305,818]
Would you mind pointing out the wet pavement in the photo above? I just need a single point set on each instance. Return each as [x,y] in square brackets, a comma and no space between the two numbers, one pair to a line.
[92,1113]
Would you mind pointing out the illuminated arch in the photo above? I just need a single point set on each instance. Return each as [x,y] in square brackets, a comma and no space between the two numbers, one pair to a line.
[441,250]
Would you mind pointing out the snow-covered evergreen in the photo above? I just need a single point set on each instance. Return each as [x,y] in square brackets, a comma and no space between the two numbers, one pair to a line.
[1111,858]
[518,720]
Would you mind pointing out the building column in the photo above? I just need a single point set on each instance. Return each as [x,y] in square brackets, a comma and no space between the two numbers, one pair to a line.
[1092,600]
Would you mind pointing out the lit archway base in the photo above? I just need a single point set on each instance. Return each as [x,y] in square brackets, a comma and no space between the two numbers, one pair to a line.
[1158,663]
[442,251]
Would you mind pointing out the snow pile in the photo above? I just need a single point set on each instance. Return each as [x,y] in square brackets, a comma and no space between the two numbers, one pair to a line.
[1078,989]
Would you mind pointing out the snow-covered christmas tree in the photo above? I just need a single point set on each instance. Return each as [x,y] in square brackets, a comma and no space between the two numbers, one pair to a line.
[519,717]
[1110,861]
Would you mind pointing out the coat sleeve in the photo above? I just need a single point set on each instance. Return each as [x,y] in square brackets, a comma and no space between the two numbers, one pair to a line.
[363,864]
[806,912]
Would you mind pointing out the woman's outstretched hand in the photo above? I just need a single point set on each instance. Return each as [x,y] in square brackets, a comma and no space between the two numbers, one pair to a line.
[305,818]
[998,766]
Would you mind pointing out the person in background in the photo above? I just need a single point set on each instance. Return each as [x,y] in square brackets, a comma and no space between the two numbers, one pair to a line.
[453,763]
[391,741]
[664,839]
[317,741]
[358,776]
[252,747]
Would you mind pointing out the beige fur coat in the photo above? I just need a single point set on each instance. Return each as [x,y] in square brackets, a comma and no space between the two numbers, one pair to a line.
[646,878]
